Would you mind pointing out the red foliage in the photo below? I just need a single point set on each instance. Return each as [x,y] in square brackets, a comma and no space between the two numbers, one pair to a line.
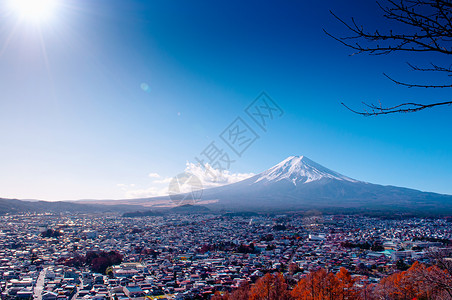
[418,282]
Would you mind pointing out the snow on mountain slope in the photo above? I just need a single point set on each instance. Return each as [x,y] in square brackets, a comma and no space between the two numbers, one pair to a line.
[299,169]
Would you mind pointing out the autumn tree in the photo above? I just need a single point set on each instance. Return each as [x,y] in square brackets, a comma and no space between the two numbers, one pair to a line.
[219,296]
[323,285]
[50,233]
[418,282]
[242,293]
[293,268]
[432,280]
[346,285]
[396,286]
[420,26]
[270,287]
[441,258]
[97,261]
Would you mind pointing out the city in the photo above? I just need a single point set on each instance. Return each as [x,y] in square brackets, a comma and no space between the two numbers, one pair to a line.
[194,256]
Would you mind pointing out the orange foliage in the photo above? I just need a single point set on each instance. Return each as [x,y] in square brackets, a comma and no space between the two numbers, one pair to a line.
[270,287]
[322,285]
[219,296]
[418,282]
[242,293]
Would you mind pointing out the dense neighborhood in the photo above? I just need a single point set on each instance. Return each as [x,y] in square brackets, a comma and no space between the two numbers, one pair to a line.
[194,256]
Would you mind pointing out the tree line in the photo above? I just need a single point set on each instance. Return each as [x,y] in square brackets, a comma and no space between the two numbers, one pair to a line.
[418,282]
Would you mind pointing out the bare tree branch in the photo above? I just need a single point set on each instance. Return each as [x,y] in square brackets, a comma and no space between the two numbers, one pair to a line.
[401,108]
[434,68]
[427,28]
[410,85]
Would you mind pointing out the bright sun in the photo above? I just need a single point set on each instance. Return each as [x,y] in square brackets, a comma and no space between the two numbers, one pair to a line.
[33,10]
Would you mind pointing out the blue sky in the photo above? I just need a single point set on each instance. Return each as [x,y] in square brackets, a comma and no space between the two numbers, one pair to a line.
[76,123]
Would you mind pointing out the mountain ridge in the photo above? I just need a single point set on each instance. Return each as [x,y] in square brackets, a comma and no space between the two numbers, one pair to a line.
[14,206]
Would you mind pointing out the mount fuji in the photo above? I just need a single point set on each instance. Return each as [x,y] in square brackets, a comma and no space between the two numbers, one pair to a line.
[298,183]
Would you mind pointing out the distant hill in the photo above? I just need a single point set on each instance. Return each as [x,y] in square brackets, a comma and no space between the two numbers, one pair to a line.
[14,206]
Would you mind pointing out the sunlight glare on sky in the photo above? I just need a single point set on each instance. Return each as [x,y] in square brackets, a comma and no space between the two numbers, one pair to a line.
[34,10]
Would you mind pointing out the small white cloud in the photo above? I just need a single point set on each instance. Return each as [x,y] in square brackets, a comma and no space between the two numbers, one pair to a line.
[211,177]
[163,181]
[154,175]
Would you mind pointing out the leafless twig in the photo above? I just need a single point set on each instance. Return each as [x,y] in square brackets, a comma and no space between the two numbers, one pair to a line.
[429,29]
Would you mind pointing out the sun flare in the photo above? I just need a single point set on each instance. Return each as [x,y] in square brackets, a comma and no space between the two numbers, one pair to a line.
[33,10]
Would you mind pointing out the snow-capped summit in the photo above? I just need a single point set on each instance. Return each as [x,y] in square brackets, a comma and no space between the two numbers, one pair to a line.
[299,169]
